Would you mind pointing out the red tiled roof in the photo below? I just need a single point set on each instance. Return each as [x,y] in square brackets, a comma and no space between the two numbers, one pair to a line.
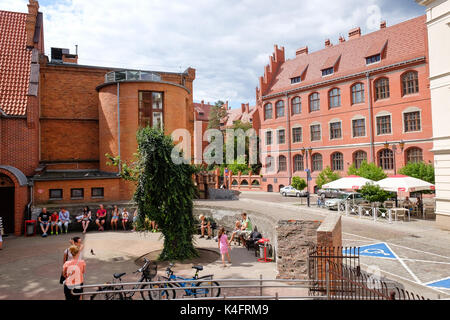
[405,41]
[15,63]
[202,111]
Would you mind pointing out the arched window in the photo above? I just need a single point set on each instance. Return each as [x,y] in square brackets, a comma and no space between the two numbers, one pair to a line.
[244,182]
[410,82]
[414,155]
[334,98]
[382,88]
[296,105]
[298,163]
[358,158]
[337,161]
[280,109]
[269,188]
[268,109]
[282,163]
[317,162]
[269,163]
[314,102]
[358,93]
[386,159]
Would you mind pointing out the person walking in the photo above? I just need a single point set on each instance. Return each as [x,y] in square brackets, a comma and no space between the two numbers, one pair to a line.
[223,245]
[115,218]
[64,220]
[73,272]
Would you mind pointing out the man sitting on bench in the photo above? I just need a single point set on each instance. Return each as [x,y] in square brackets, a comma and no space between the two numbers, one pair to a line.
[244,231]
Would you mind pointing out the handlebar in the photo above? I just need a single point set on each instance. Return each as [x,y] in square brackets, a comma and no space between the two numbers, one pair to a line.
[145,266]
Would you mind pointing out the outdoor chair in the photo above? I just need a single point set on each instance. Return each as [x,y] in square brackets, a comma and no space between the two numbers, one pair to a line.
[389,204]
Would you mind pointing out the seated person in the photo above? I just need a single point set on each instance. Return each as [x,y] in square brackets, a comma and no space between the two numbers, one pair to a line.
[115,218]
[245,229]
[43,220]
[205,224]
[64,220]
[125,216]
[54,222]
[101,218]
[407,204]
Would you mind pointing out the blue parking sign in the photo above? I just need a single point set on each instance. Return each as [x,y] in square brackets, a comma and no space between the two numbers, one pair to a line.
[379,250]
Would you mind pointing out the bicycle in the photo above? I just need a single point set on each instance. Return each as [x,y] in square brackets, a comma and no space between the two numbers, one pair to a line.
[196,289]
[148,272]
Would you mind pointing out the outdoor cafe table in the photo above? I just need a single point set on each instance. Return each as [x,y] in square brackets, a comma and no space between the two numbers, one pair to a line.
[395,210]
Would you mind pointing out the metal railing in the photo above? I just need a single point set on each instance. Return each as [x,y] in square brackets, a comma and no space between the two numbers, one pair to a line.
[370,212]
[131,75]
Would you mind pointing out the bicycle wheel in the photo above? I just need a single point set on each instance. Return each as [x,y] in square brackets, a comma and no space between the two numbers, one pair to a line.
[207,289]
[100,295]
[158,294]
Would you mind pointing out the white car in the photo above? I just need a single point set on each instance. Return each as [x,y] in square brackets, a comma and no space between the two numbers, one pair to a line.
[291,191]
[354,198]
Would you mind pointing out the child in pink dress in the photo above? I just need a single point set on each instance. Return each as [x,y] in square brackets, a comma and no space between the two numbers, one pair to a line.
[223,245]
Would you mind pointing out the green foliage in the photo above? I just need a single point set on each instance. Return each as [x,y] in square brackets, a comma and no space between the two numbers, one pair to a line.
[217,112]
[373,193]
[164,193]
[419,170]
[368,170]
[327,175]
[298,183]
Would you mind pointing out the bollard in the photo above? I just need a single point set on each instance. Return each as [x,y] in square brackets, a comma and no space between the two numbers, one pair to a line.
[346,208]
[390,217]
[360,211]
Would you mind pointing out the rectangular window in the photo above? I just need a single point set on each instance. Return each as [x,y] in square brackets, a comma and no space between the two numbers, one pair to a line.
[412,121]
[359,128]
[296,135]
[55,194]
[268,138]
[315,132]
[296,80]
[151,109]
[77,193]
[281,136]
[384,125]
[373,59]
[328,71]
[335,130]
[97,193]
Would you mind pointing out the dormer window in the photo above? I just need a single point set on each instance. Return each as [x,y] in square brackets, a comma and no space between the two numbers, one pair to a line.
[296,80]
[373,59]
[327,71]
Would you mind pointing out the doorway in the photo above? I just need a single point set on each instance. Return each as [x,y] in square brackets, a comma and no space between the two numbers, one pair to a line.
[7,208]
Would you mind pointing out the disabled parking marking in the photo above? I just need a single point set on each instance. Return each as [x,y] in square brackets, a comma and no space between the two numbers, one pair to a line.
[378,250]
[441,284]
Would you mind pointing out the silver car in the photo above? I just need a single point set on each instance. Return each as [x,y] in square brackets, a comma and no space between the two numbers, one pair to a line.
[291,191]
[354,198]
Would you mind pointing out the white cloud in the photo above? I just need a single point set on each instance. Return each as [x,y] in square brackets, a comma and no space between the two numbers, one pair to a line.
[228,42]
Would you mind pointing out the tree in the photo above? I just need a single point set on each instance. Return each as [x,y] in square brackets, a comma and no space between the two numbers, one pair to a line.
[419,170]
[298,183]
[367,170]
[164,192]
[327,175]
[373,193]
[216,113]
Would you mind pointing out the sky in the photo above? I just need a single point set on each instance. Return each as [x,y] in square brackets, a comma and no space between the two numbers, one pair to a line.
[228,42]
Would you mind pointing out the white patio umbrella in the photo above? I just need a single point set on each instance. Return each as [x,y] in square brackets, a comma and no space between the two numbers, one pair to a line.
[349,182]
[402,183]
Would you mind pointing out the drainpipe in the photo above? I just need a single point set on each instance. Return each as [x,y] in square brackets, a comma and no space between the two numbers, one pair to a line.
[288,134]
[369,93]
[118,125]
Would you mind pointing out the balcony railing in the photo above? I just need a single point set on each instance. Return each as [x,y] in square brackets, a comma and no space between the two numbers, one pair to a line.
[128,75]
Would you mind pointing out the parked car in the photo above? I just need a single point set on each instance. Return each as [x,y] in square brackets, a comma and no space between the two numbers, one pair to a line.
[354,198]
[291,191]
[330,193]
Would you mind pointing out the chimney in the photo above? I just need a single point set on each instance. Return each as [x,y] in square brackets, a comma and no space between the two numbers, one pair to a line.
[300,51]
[243,107]
[203,103]
[30,23]
[383,24]
[354,33]
[247,108]
[328,43]
[341,39]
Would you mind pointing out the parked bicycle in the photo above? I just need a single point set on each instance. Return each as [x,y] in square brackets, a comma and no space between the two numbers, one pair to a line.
[196,289]
[148,272]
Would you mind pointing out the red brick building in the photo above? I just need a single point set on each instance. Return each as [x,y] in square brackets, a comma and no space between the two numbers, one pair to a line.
[364,98]
[58,120]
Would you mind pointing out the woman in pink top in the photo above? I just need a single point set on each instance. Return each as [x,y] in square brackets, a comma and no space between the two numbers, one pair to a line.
[73,272]
[223,245]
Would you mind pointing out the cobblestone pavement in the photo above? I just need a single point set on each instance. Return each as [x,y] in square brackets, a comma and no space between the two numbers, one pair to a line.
[418,252]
